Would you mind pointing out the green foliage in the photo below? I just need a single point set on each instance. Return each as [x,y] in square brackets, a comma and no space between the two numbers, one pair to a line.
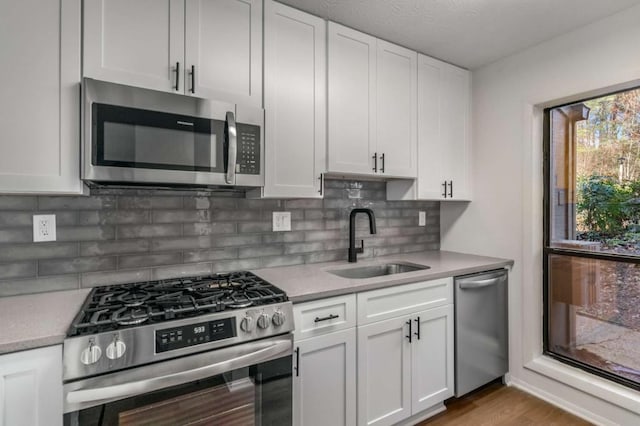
[606,208]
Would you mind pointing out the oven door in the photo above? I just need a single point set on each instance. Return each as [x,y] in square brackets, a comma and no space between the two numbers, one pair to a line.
[248,384]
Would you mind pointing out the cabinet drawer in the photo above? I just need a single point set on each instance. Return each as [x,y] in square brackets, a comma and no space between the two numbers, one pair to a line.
[378,305]
[324,316]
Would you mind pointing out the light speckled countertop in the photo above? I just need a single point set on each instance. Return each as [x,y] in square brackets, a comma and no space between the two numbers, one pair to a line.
[313,281]
[37,320]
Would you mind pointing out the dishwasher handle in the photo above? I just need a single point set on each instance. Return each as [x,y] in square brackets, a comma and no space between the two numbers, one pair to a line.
[467,285]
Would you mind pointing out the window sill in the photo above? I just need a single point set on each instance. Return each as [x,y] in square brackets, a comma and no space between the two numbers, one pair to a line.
[585,382]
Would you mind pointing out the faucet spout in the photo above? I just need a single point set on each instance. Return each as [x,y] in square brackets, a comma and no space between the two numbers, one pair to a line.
[353,250]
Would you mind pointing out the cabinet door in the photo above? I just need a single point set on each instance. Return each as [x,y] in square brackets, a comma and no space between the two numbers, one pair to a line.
[223,44]
[431,169]
[384,372]
[351,98]
[295,106]
[396,109]
[455,124]
[139,43]
[31,387]
[324,387]
[444,143]
[432,358]
[39,107]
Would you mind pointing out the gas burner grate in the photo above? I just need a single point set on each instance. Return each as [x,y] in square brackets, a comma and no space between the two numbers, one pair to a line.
[115,307]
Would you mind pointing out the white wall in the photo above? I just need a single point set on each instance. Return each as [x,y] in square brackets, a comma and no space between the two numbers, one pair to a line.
[505,218]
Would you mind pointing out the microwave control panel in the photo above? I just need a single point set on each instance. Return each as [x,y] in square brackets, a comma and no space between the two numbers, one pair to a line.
[248,149]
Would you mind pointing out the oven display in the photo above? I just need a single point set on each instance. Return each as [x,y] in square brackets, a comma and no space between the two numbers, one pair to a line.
[194,334]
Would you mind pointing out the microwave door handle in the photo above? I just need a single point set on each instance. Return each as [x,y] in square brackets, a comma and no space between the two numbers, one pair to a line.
[230,177]
[264,353]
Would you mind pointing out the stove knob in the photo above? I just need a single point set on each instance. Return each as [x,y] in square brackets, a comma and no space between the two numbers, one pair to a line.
[278,318]
[263,321]
[246,324]
[91,354]
[116,348]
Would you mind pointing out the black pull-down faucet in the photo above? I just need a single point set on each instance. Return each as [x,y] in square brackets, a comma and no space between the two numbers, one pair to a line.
[353,251]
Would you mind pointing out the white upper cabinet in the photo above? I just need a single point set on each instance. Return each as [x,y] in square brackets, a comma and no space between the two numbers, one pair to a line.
[223,50]
[455,131]
[396,109]
[39,107]
[139,43]
[431,149]
[372,105]
[206,48]
[444,140]
[351,97]
[295,102]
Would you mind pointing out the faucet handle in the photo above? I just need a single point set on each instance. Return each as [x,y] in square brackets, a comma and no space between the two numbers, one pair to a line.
[361,248]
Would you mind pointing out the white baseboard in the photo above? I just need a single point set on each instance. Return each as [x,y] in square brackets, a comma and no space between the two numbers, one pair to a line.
[563,404]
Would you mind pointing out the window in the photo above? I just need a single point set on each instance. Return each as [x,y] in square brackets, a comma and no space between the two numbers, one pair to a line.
[592,235]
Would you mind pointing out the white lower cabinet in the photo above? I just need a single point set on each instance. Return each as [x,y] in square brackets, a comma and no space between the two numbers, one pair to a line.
[31,387]
[403,370]
[384,372]
[432,369]
[324,380]
[405,351]
[400,376]
[324,362]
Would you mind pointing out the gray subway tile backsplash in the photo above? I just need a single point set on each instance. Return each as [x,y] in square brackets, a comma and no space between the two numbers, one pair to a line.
[101,248]
[16,202]
[119,236]
[75,265]
[11,252]
[18,270]
[94,279]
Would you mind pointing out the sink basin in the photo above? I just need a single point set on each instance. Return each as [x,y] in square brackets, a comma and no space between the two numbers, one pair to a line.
[371,271]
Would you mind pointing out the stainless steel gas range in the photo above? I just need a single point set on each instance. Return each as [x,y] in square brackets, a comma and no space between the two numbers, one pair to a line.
[201,350]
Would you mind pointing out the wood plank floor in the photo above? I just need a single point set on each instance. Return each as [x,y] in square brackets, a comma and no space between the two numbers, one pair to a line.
[500,405]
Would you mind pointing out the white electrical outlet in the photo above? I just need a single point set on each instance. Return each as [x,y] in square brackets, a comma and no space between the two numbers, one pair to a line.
[281,221]
[422,218]
[44,227]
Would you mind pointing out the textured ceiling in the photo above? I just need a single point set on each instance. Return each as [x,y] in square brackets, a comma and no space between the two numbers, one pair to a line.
[468,33]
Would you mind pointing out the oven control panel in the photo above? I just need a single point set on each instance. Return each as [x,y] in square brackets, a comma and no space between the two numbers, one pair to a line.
[169,339]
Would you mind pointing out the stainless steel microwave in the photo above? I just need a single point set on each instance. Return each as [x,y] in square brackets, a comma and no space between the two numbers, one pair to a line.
[134,136]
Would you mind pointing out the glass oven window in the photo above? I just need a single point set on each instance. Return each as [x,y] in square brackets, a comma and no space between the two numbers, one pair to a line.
[230,403]
[136,138]
[258,395]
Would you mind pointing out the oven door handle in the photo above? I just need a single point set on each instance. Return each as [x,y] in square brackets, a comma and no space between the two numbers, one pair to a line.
[91,396]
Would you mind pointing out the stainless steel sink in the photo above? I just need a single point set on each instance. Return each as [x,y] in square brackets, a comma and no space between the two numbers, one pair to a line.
[371,271]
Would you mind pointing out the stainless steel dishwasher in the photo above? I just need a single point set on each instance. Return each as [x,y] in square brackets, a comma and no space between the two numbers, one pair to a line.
[481,329]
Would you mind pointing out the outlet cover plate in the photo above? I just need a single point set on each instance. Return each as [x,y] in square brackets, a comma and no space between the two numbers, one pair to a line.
[422,218]
[44,227]
[281,221]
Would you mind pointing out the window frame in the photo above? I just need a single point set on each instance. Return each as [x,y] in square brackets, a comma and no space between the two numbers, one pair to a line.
[548,251]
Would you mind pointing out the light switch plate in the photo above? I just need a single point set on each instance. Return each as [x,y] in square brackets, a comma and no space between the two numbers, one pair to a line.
[44,227]
[281,221]
[422,218]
